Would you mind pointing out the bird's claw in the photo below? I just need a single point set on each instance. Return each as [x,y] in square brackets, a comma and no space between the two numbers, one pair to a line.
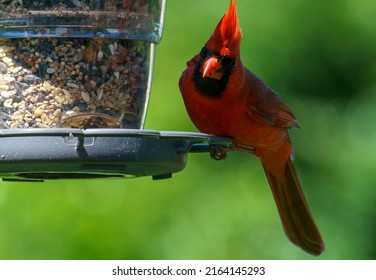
[219,152]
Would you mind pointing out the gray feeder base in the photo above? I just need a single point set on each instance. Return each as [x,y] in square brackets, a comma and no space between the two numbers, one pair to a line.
[39,154]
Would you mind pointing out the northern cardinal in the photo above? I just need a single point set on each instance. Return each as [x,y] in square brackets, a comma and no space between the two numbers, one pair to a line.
[224,98]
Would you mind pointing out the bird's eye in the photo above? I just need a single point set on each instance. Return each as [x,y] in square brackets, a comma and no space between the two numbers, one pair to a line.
[228,62]
[203,52]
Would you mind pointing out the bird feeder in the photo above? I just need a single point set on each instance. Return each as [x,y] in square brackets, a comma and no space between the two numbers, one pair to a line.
[75,80]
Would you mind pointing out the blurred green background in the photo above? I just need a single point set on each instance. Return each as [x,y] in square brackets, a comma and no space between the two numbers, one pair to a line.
[320,56]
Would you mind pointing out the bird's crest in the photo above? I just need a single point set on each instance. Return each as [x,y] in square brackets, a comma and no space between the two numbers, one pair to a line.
[226,37]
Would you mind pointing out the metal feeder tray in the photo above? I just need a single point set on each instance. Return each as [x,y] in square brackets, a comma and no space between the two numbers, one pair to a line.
[33,155]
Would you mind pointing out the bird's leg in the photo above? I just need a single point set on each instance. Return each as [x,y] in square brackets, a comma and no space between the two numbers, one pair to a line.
[219,152]
[245,149]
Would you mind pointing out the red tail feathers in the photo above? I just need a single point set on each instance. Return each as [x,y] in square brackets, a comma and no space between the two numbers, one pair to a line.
[293,209]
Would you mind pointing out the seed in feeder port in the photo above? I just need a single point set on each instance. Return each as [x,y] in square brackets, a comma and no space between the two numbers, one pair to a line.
[100,93]
[44,118]
[38,112]
[7,94]
[7,60]
[4,87]
[70,113]
[85,96]
[112,48]
[8,103]
[3,67]
[51,70]
[67,93]
[72,85]
[57,112]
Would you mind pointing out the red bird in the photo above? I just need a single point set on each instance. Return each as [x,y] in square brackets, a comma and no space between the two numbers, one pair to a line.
[224,98]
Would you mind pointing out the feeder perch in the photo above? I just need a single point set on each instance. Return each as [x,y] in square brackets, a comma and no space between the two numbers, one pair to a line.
[75,79]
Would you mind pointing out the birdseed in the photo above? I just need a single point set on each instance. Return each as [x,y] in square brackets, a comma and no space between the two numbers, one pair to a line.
[72,82]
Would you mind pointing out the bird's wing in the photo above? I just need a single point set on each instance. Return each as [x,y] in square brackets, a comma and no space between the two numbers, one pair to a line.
[264,105]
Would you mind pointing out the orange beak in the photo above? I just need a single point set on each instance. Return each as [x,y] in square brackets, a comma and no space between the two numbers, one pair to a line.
[212,68]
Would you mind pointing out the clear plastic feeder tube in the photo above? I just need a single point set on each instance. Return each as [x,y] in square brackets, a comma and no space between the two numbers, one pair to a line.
[77,63]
